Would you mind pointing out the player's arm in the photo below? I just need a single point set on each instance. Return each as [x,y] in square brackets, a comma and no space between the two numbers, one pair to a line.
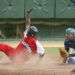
[28,21]
[64,52]
[40,49]
[66,45]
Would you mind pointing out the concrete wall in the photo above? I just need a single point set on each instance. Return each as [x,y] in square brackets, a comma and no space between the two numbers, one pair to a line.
[42,8]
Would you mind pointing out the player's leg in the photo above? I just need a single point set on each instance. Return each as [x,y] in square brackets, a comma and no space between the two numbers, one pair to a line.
[8,50]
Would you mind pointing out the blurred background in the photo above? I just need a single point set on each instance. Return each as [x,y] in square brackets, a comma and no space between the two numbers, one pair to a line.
[51,17]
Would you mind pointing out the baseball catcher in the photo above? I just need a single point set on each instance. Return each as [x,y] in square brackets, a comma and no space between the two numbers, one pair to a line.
[68,52]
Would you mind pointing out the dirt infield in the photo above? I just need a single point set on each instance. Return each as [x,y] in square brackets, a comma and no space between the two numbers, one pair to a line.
[48,65]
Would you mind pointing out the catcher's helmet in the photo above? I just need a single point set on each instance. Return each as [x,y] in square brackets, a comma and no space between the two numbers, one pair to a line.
[33,30]
[70,31]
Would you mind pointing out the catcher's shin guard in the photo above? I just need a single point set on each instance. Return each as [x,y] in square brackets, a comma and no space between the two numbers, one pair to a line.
[64,54]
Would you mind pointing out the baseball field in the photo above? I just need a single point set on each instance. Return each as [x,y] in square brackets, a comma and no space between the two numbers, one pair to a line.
[50,64]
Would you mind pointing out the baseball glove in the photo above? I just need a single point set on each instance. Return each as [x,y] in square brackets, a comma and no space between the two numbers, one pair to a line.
[64,54]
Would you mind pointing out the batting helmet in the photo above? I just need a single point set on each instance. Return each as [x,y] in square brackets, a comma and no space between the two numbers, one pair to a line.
[33,30]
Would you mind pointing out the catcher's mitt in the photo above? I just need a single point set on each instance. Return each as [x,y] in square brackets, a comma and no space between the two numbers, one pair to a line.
[63,53]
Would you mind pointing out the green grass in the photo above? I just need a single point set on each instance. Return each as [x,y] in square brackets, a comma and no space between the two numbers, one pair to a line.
[52,50]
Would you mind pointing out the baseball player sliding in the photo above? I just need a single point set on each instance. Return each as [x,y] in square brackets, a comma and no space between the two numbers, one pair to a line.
[29,44]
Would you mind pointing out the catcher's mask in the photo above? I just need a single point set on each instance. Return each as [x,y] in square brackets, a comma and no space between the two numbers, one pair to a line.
[32,31]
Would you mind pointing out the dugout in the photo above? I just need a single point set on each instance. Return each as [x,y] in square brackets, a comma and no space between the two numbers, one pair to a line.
[48,28]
